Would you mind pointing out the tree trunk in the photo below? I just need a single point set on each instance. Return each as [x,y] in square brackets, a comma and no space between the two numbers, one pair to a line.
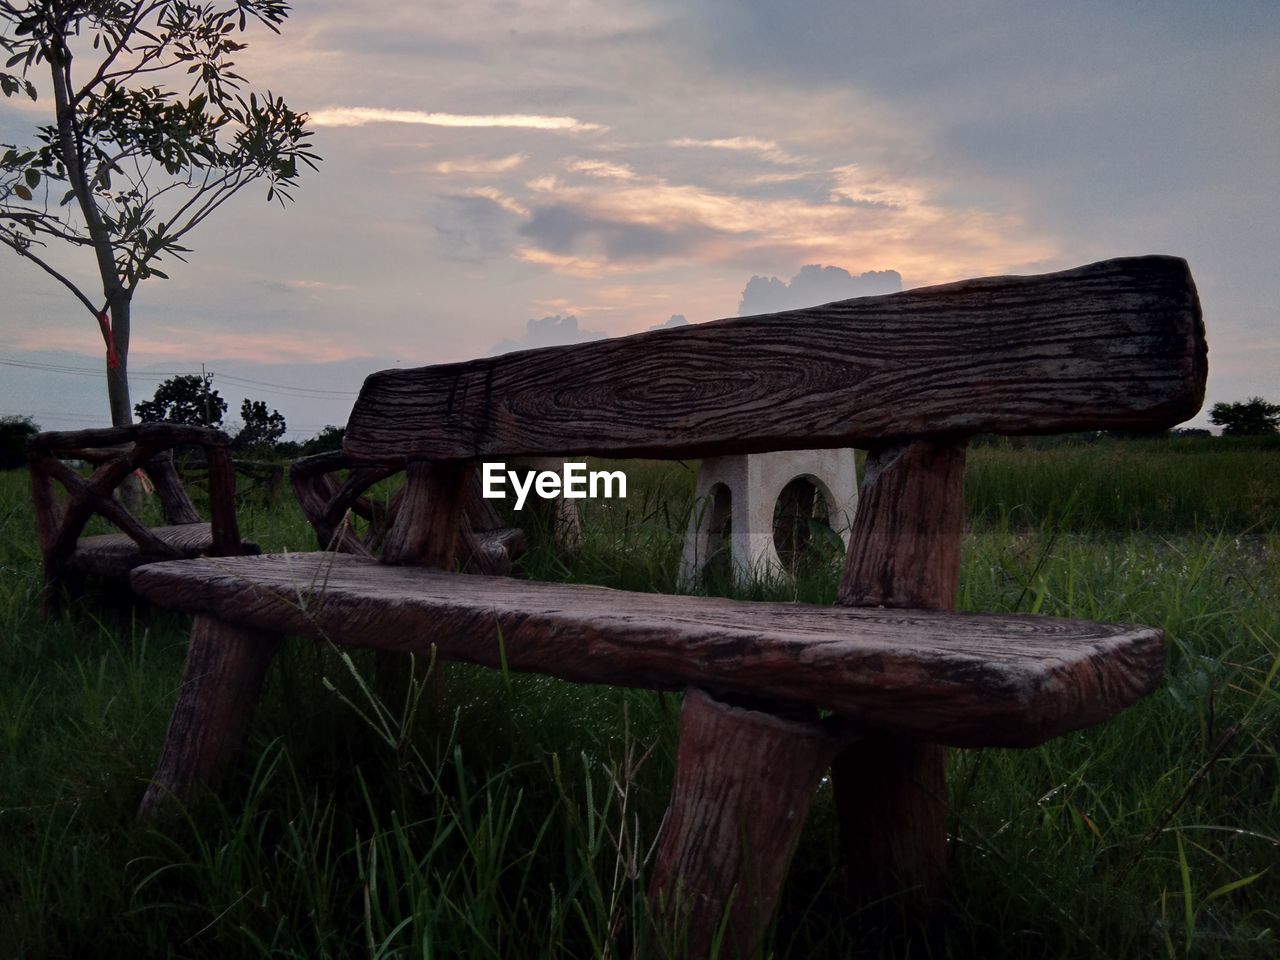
[118,296]
[118,377]
[120,301]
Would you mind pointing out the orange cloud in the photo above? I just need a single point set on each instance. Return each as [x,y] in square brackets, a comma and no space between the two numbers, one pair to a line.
[167,343]
[768,149]
[494,195]
[480,165]
[360,116]
[602,169]
[869,219]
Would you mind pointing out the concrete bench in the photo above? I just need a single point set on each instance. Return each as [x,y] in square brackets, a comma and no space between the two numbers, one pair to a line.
[776,693]
[117,453]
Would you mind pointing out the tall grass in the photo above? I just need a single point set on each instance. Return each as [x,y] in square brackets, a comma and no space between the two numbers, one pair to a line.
[1140,486]
[518,822]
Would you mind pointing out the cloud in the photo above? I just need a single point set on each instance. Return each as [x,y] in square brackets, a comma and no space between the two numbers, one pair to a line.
[168,343]
[602,169]
[857,186]
[475,225]
[813,285]
[677,320]
[565,229]
[852,213]
[480,165]
[494,195]
[548,332]
[360,116]
[307,286]
[767,149]
[569,266]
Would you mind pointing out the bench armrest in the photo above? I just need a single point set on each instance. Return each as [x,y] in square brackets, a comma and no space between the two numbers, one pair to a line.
[326,501]
[117,453]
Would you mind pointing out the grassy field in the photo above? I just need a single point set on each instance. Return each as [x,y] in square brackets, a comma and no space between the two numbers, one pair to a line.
[518,824]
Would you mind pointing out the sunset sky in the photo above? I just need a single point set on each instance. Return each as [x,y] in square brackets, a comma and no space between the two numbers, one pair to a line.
[491,163]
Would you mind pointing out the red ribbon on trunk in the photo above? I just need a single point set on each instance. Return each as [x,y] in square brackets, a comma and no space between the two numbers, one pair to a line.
[113,358]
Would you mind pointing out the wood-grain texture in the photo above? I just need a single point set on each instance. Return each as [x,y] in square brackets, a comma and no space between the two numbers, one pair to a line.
[117,453]
[904,552]
[743,785]
[115,554]
[221,683]
[483,545]
[1116,344]
[966,679]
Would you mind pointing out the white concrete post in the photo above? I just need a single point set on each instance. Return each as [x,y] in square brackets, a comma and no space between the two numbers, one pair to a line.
[754,482]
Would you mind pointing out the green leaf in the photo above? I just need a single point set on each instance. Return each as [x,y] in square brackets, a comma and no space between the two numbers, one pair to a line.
[22,191]
[33,177]
[67,198]
[1226,888]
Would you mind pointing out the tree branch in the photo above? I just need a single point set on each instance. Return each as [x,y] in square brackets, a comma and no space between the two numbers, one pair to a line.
[220,196]
[22,252]
[44,223]
[121,45]
[204,188]
[70,138]
[136,71]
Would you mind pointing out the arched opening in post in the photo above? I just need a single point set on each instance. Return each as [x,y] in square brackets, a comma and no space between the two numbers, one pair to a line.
[802,533]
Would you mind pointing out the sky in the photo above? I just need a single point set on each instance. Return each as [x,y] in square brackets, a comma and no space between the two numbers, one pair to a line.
[504,174]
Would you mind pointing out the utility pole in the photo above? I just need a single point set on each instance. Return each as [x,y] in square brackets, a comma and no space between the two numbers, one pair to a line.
[204,388]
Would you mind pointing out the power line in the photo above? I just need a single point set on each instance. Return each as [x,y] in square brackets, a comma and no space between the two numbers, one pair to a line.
[60,417]
[282,389]
[304,430]
[301,391]
[89,371]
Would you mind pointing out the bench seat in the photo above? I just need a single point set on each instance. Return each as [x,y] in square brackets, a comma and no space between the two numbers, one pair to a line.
[958,678]
[113,555]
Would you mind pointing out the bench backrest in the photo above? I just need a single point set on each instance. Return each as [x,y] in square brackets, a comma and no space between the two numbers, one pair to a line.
[1113,345]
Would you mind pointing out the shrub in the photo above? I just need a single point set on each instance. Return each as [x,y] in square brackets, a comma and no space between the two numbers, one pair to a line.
[15,432]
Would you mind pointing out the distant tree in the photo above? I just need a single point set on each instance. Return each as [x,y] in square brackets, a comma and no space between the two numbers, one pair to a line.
[188,399]
[1196,432]
[148,136]
[15,432]
[1246,418]
[261,429]
[330,438]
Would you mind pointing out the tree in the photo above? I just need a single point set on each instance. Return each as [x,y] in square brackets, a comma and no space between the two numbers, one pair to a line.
[188,399]
[15,432]
[330,438]
[129,167]
[1246,417]
[261,429]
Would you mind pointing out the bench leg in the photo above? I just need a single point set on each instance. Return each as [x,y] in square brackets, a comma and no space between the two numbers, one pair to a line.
[221,683]
[60,587]
[743,784]
[904,551]
[897,783]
